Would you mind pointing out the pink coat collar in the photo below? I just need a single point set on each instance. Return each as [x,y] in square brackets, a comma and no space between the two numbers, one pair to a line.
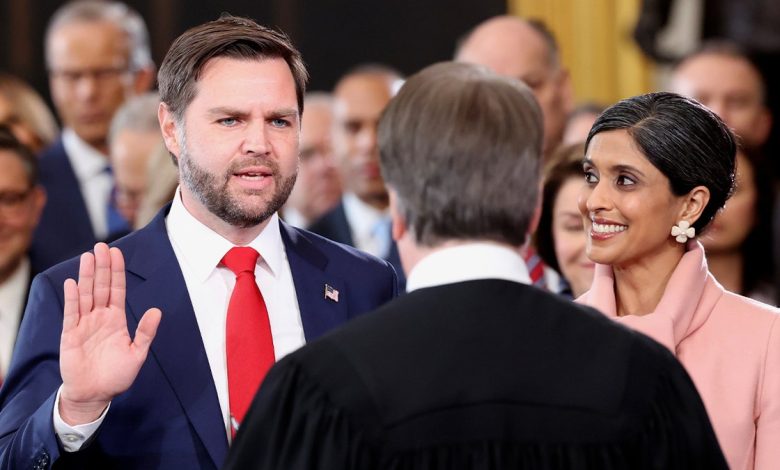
[686,304]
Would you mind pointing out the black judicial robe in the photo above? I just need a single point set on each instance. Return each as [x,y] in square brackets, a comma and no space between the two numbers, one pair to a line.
[485,374]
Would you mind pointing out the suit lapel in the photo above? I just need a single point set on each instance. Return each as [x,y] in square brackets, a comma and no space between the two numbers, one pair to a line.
[178,346]
[319,314]
[341,226]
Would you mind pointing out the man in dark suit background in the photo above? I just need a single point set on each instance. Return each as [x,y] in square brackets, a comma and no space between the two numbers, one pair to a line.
[473,368]
[21,202]
[97,55]
[361,219]
[232,95]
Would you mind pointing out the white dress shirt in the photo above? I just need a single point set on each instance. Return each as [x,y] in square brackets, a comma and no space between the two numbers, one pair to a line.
[13,293]
[468,262]
[199,251]
[95,182]
[363,220]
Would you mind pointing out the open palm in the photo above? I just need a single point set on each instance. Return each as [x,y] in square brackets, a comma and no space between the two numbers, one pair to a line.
[98,359]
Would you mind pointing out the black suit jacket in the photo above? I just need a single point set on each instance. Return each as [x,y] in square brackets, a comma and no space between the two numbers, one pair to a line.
[480,374]
[335,226]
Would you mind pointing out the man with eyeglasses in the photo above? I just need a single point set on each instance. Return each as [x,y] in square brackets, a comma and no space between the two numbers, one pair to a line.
[21,202]
[97,54]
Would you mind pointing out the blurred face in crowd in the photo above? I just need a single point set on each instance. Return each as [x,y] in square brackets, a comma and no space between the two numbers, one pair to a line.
[627,203]
[731,88]
[512,48]
[89,76]
[22,131]
[130,152]
[736,220]
[20,208]
[237,143]
[569,236]
[359,101]
[318,187]
[578,127]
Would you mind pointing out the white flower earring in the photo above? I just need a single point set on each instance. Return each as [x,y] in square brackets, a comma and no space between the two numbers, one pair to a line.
[683,231]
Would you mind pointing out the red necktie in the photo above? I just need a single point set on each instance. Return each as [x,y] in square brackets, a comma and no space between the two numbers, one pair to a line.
[250,346]
[535,268]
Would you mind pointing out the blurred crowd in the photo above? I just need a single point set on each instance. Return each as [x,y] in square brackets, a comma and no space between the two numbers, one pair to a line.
[105,171]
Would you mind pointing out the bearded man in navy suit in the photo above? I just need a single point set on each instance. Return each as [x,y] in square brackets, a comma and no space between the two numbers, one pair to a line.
[94,396]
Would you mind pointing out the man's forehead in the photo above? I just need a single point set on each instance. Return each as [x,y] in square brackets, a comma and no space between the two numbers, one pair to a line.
[362,93]
[238,84]
[716,73]
[11,166]
[516,60]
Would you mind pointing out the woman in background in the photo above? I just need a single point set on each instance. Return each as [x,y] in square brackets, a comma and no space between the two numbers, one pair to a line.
[26,114]
[657,168]
[738,243]
[560,237]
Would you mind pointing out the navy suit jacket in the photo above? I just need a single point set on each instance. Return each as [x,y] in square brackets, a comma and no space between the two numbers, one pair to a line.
[64,230]
[335,226]
[170,416]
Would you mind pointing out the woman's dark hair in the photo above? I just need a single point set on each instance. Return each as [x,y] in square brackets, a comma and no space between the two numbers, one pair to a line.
[565,163]
[687,142]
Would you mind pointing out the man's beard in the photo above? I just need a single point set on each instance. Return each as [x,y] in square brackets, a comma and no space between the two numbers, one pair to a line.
[212,190]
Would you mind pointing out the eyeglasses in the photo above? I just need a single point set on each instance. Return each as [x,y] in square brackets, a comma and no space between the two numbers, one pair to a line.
[12,202]
[103,75]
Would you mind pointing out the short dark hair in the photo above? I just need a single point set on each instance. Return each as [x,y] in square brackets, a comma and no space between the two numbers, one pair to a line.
[565,163]
[228,36]
[461,147]
[10,143]
[687,142]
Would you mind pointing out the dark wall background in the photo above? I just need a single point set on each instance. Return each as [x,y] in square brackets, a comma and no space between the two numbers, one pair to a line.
[333,35]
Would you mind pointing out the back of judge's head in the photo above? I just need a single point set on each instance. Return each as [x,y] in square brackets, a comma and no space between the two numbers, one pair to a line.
[460,149]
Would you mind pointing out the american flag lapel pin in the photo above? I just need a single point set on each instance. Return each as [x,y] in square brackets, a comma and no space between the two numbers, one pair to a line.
[331,293]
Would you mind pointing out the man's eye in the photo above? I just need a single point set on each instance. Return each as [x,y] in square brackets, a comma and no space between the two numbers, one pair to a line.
[228,122]
[280,123]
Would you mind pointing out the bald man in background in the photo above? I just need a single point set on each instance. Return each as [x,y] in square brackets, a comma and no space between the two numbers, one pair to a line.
[525,50]
[318,187]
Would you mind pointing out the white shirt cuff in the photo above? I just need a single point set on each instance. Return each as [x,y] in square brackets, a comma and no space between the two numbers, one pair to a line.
[73,438]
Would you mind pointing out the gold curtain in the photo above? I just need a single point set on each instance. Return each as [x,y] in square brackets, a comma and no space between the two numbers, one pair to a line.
[596,45]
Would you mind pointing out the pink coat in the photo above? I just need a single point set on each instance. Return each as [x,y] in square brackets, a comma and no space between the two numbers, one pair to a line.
[730,346]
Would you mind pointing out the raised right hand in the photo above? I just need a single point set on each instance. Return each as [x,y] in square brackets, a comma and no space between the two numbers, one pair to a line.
[98,359]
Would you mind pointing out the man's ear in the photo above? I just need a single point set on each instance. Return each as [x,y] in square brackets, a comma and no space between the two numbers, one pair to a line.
[534,222]
[169,129]
[764,126]
[399,223]
[39,201]
[693,205]
[143,79]
[565,91]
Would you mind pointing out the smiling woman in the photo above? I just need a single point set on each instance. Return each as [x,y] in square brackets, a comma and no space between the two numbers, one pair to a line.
[560,237]
[658,168]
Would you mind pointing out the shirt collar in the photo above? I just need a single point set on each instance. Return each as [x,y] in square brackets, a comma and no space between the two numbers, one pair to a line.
[86,160]
[362,217]
[468,262]
[14,290]
[203,248]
